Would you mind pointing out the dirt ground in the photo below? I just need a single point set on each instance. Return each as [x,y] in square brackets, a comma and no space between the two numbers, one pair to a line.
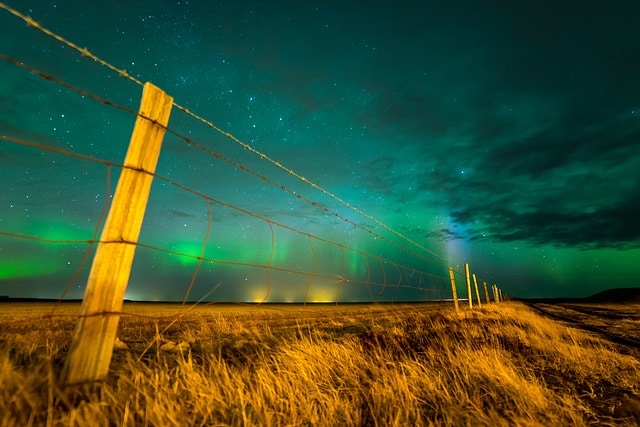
[617,323]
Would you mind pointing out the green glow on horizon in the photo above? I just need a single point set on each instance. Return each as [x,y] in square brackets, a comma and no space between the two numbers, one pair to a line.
[27,267]
[59,231]
[191,250]
[525,169]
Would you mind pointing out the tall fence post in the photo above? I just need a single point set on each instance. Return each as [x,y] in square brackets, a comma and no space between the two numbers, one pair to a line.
[454,291]
[475,283]
[486,292]
[92,346]
[466,272]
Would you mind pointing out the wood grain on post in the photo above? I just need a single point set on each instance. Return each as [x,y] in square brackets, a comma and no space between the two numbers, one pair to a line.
[486,292]
[92,346]
[475,283]
[466,271]
[454,291]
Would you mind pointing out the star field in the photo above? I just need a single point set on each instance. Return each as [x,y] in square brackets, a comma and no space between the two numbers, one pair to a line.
[502,135]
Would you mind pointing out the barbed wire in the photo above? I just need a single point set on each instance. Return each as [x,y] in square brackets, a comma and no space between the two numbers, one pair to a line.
[301,197]
[266,267]
[192,142]
[372,273]
[123,73]
[201,258]
[199,194]
[82,50]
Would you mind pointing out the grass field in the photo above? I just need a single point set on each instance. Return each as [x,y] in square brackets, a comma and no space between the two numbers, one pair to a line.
[343,365]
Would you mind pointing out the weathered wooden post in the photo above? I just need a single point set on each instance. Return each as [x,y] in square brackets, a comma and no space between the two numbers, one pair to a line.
[486,292]
[466,272]
[454,291]
[475,283]
[500,293]
[92,346]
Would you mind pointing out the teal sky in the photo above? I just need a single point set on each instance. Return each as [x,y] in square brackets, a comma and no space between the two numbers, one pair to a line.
[505,135]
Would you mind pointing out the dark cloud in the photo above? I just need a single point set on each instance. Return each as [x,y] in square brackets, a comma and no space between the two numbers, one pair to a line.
[378,174]
[593,141]
[181,214]
[417,113]
[612,226]
[569,183]
[444,234]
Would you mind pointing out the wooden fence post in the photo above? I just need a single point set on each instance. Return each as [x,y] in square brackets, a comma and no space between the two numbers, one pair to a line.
[466,272]
[486,292]
[454,291]
[92,346]
[475,283]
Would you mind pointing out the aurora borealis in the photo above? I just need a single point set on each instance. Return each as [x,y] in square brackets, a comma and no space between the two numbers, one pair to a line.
[505,135]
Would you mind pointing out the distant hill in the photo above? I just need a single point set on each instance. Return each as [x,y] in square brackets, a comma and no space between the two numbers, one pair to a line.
[618,295]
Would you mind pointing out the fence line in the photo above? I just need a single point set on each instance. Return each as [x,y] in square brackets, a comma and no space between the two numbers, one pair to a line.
[191,142]
[218,155]
[85,52]
[97,324]
[201,258]
[400,267]
[82,50]
[123,73]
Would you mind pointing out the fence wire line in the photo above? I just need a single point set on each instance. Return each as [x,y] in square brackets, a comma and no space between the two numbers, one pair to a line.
[299,196]
[202,252]
[208,199]
[201,258]
[188,140]
[195,144]
[342,279]
[265,267]
[83,50]
[123,73]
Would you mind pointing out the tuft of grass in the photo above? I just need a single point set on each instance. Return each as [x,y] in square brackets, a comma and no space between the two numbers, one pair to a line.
[381,365]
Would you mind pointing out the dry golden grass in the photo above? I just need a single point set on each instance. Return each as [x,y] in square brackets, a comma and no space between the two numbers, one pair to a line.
[337,366]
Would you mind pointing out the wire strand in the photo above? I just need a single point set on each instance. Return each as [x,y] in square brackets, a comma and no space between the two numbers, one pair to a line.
[123,73]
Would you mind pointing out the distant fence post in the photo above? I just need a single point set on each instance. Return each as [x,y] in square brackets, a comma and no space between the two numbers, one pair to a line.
[475,283]
[454,291]
[496,296]
[466,272]
[486,292]
[92,346]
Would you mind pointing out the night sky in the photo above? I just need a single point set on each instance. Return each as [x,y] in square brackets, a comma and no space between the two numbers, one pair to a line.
[505,135]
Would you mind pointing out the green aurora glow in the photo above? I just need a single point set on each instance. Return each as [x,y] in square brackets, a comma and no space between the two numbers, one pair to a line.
[504,136]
